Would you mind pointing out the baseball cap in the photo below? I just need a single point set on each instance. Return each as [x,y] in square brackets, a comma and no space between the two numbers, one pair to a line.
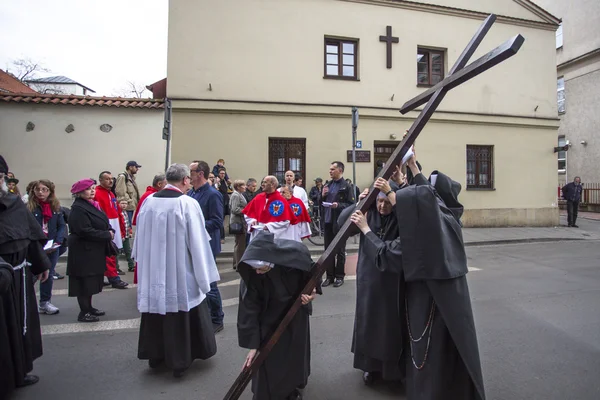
[133,164]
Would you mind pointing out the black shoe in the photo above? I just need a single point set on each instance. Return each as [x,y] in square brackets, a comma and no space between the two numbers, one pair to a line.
[120,285]
[58,276]
[368,378]
[29,380]
[131,269]
[154,363]
[569,226]
[87,317]
[178,373]
[327,282]
[295,395]
[121,272]
[106,283]
[575,226]
[217,327]
[97,313]
[338,282]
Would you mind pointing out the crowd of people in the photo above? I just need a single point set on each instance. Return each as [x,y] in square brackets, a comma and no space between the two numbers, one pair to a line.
[413,320]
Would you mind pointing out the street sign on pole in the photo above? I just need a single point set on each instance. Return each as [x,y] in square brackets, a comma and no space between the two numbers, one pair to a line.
[359,144]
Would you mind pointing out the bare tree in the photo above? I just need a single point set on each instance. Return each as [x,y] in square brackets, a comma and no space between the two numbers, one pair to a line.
[133,89]
[25,68]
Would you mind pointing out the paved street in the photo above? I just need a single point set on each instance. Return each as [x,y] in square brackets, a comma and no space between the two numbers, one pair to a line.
[535,311]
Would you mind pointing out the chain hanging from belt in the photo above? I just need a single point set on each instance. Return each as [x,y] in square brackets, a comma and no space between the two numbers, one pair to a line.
[428,327]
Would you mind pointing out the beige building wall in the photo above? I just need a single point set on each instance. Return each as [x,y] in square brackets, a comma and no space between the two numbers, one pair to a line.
[258,73]
[49,152]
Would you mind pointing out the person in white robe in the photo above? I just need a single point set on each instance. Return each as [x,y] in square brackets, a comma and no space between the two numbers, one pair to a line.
[175,270]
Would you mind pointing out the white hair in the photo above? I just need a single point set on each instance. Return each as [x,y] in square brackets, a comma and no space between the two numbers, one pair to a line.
[177,172]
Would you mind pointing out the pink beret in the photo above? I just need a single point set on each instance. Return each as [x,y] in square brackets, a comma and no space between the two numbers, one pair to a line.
[82,185]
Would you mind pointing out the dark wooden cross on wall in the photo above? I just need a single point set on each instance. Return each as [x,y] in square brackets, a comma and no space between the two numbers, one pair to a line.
[389,39]
[460,73]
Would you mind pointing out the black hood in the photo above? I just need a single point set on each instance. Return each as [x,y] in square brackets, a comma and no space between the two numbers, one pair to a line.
[448,190]
[281,252]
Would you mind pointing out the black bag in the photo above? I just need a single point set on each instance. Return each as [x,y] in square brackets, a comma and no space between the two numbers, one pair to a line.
[236,229]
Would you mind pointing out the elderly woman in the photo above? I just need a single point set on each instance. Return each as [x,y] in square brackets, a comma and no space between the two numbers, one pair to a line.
[46,209]
[237,202]
[89,244]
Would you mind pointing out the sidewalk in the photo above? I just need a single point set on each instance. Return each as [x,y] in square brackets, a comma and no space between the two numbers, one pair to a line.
[471,236]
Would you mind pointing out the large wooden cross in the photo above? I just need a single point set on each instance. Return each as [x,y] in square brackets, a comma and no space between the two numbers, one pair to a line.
[460,73]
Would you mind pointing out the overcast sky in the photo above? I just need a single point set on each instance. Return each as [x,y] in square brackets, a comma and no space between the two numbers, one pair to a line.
[99,43]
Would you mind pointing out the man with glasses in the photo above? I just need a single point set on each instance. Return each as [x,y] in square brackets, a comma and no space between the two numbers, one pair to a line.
[211,203]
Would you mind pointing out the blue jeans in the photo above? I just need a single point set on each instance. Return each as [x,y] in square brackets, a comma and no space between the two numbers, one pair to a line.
[215,304]
[130,215]
[46,287]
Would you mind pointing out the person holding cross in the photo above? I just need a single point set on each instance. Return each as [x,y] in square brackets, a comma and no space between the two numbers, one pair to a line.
[439,340]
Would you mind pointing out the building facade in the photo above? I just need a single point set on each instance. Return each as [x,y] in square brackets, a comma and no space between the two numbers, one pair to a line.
[67,138]
[578,87]
[269,86]
[59,85]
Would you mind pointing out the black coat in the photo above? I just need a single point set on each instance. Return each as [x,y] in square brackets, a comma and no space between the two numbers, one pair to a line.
[376,341]
[343,197]
[264,300]
[89,240]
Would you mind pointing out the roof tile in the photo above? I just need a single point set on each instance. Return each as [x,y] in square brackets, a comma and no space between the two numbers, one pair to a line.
[81,100]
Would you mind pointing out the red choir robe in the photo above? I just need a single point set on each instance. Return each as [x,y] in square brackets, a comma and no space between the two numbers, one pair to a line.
[149,190]
[108,203]
[270,212]
[300,222]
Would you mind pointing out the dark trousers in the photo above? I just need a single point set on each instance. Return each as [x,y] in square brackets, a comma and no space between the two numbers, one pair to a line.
[336,268]
[572,208]
[46,287]
[215,304]
[127,251]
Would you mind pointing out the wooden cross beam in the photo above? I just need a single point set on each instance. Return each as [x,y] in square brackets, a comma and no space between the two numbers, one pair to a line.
[457,75]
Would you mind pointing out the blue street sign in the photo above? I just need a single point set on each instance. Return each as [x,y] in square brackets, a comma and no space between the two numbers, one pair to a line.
[359,144]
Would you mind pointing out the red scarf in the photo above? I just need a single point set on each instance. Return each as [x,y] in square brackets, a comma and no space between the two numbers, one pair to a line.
[46,210]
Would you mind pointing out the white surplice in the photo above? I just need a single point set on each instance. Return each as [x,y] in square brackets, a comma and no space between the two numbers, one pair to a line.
[172,250]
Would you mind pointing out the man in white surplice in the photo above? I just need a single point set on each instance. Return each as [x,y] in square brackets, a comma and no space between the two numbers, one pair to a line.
[175,270]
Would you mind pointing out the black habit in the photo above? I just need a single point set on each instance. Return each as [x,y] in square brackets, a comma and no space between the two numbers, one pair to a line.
[177,338]
[442,354]
[89,245]
[376,341]
[21,238]
[264,300]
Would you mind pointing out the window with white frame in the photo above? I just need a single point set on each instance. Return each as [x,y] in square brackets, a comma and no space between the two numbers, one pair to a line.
[560,89]
[562,155]
[559,36]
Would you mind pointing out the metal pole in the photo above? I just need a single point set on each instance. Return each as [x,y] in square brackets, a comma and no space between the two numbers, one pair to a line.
[167,131]
[354,126]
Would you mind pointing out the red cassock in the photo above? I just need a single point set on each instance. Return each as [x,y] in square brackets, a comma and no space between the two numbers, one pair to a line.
[108,203]
[149,190]
[300,218]
[271,210]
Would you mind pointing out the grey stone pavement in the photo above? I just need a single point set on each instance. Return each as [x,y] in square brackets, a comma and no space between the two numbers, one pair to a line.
[534,292]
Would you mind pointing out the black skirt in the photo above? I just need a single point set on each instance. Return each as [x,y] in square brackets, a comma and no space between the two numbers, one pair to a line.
[177,338]
[85,285]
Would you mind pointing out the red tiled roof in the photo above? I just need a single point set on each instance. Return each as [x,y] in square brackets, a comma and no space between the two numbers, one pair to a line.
[10,84]
[81,100]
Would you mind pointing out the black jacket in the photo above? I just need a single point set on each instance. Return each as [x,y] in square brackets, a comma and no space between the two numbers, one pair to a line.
[343,197]
[89,240]
[572,192]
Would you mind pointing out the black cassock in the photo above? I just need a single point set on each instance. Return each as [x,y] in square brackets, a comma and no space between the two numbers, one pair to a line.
[376,341]
[442,354]
[264,300]
[21,238]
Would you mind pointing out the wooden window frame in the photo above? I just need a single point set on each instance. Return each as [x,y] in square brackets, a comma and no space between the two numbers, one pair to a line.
[271,161]
[478,162]
[430,52]
[335,41]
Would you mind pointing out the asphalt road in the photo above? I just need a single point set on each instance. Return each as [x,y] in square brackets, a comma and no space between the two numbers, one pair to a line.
[535,309]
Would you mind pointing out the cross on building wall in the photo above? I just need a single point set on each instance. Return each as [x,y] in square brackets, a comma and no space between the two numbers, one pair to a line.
[388,39]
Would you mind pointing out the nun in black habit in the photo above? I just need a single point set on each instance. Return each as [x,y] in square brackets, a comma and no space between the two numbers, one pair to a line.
[274,272]
[376,340]
[442,354]
[21,257]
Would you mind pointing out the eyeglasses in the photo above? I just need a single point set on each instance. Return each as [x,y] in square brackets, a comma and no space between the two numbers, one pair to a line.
[42,190]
